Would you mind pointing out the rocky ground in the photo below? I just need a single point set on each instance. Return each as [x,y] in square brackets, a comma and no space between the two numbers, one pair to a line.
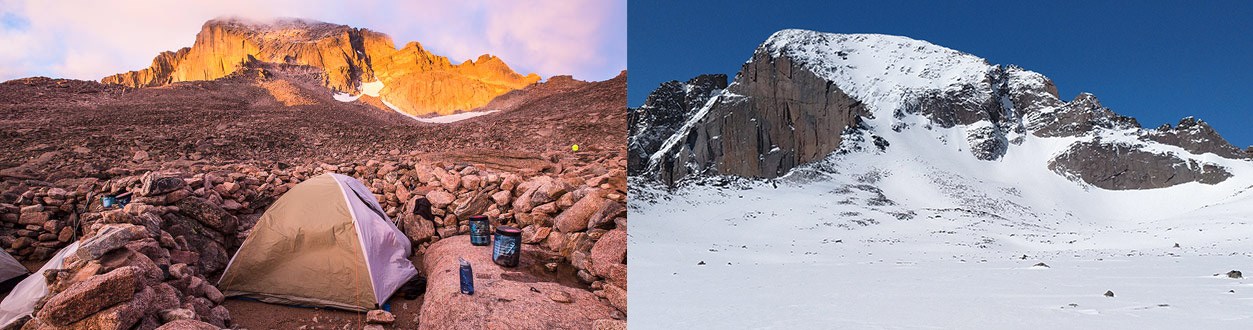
[205,159]
[258,315]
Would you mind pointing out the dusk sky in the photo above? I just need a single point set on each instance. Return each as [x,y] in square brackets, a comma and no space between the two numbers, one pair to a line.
[93,39]
[1157,61]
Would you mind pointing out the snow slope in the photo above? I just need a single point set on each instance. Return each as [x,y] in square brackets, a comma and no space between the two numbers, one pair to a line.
[454,117]
[373,88]
[898,241]
[923,235]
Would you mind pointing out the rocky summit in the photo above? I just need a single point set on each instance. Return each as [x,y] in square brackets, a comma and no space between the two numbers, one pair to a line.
[804,96]
[352,61]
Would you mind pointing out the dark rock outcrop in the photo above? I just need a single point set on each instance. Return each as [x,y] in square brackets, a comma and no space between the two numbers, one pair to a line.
[664,112]
[1079,117]
[208,214]
[987,141]
[157,184]
[776,116]
[1195,136]
[967,105]
[1120,166]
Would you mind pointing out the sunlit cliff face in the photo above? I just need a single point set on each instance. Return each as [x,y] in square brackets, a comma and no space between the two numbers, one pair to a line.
[415,81]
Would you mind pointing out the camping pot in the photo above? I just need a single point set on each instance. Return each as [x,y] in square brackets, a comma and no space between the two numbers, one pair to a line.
[480,230]
[507,247]
[467,276]
[108,201]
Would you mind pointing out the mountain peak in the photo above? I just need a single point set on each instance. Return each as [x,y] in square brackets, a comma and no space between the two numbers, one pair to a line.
[414,81]
[1087,101]
[278,22]
[415,46]
[880,70]
[1189,122]
[290,28]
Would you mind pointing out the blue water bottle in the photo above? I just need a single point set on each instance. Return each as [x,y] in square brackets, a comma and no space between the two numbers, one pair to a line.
[467,276]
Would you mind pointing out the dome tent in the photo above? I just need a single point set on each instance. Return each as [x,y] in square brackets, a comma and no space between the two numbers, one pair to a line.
[11,271]
[326,242]
[21,301]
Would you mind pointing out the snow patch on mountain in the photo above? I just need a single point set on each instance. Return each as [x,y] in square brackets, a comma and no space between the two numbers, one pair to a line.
[881,70]
[369,88]
[454,117]
[345,97]
[373,88]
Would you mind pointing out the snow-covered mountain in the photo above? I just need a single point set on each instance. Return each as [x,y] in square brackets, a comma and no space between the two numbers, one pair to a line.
[803,93]
[834,162]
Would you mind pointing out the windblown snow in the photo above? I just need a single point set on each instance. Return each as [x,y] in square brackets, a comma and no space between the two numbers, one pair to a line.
[880,70]
[923,235]
[673,140]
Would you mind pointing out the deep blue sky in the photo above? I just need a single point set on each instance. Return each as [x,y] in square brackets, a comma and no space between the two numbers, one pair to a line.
[1156,61]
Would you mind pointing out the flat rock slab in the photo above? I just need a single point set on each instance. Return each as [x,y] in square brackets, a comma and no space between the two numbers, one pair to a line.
[88,297]
[108,238]
[503,297]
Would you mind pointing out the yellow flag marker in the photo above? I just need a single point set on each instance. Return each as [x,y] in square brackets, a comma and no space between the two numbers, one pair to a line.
[574,147]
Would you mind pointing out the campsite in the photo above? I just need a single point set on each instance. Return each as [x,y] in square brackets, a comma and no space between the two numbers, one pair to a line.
[201,164]
[169,245]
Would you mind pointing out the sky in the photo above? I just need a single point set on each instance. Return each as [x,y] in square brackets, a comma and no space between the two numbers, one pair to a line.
[91,39]
[1157,61]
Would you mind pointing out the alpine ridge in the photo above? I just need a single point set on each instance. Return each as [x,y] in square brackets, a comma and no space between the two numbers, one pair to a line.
[805,95]
[354,61]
